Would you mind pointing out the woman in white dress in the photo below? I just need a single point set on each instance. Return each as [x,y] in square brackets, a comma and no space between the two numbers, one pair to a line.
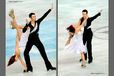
[75,42]
[21,40]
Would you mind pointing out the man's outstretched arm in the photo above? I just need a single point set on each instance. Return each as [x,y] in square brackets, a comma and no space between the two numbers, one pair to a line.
[46,13]
[98,14]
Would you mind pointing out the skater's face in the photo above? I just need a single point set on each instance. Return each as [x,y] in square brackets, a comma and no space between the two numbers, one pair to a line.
[33,18]
[84,14]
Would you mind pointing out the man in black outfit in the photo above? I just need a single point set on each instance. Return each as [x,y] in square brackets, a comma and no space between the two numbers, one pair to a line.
[33,39]
[88,34]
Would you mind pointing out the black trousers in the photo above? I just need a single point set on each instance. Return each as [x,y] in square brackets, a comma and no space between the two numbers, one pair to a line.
[87,40]
[34,40]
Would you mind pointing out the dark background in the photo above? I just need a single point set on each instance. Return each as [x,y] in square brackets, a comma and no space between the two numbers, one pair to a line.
[2,37]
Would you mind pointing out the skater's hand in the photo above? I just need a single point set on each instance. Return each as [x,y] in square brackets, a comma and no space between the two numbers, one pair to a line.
[51,6]
[86,17]
[27,21]
[28,28]
[101,10]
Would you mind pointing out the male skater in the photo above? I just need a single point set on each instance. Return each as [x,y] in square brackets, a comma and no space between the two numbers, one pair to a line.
[87,34]
[33,39]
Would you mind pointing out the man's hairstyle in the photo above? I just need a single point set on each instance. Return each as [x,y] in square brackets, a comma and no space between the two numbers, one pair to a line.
[85,11]
[30,15]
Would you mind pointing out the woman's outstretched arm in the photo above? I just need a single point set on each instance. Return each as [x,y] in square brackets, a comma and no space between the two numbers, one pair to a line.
[80,26]
[69,39]
[22,62]
[79,22]
[21,27]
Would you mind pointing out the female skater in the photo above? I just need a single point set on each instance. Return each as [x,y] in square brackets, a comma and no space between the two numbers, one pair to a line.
[75,43]
[21,39]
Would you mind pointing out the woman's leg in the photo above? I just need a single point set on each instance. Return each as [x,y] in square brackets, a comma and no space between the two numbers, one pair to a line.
[22,62]
[14,24]
[83,59]
[18,28]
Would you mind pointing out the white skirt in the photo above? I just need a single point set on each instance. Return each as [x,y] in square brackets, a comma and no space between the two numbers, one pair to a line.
[23,40]
[76,45]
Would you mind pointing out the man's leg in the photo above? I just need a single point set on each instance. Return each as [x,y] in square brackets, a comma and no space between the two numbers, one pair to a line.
[26,55]
[89,47]
[84,42]
[40,46]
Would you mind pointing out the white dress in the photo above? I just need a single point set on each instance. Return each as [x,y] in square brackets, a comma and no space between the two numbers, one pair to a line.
[23,40]
[76,44]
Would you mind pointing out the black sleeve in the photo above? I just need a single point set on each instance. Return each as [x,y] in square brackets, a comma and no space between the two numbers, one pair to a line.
[44,15]
[25,28]
[94,17]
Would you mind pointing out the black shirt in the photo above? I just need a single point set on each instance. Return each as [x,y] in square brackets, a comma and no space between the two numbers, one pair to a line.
[89,20]
[38,23]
